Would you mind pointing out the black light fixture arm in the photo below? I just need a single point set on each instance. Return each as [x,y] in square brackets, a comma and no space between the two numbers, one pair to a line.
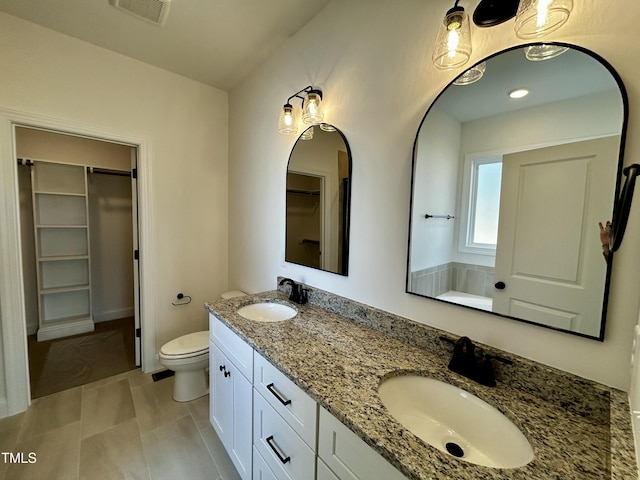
[623,206]
[307,89]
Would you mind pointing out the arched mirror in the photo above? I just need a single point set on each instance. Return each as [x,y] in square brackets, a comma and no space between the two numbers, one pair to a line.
[318,200]
[507,192]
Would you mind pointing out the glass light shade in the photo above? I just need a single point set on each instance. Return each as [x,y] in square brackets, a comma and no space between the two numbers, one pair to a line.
[307,134]
[536,18]
[312,108]
[287,122]
[453,43]
[472,75]
[544,51]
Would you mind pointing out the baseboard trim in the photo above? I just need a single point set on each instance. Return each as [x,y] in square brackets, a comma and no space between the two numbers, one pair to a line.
[59,330]
[113,315]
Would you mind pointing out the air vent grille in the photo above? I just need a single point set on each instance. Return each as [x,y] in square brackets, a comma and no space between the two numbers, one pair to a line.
[154,11]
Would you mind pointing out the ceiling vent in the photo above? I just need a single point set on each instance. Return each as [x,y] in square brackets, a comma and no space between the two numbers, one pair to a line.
[154,11]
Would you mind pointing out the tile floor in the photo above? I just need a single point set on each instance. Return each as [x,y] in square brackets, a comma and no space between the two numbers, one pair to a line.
[124,427]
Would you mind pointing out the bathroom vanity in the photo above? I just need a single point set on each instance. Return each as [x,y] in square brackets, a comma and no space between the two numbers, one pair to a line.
[304,400]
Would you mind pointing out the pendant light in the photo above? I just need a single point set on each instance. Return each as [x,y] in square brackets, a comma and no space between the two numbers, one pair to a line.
[536,18]
[453,43]
[287,122]
[312,108]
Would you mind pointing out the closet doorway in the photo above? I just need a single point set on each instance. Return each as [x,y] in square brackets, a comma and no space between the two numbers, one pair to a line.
[78,227]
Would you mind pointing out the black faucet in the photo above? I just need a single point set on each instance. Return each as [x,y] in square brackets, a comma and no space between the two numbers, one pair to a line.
[298,293]
[476,366]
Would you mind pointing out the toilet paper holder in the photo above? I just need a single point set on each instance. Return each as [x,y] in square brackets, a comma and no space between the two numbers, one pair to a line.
[182,296]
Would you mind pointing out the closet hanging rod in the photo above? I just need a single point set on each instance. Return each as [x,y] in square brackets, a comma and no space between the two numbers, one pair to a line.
[106,171]
[448,217]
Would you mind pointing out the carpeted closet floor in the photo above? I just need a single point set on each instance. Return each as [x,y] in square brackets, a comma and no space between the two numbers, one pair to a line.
[63,363]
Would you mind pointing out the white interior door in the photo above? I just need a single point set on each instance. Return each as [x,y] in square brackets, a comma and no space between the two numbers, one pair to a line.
[137,340]
[549,254]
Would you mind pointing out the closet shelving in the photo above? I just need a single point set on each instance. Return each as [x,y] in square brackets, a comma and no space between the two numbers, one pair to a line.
[61,225]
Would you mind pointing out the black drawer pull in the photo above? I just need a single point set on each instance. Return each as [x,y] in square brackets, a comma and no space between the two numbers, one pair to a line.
[275,450]
[222,368]
[272,389]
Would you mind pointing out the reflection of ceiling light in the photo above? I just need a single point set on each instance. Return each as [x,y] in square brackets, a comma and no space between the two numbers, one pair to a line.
[543,51]
[472,75]
[519,93]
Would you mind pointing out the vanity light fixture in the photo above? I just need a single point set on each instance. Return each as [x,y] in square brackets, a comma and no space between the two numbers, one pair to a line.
[453,43]
[311,110]
[489,13]
[536,18]
[519,93]
[472,75]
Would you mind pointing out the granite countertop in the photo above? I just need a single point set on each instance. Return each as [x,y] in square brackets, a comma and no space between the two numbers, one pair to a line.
[340,363]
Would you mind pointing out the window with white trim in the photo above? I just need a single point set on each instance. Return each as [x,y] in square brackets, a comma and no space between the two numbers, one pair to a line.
[481,205]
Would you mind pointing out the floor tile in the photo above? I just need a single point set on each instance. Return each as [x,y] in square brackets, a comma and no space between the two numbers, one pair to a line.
[114,453]
[51,412]
[199,410]
[219,454]
[176,451]
[155,406]
[106,406]
[9,431]
[57,455]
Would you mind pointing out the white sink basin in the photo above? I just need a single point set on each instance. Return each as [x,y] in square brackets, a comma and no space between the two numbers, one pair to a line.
[267,312]
[455,421]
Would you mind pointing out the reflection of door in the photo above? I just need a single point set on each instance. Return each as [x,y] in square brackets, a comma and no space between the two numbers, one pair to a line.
[549,253]
[304,242]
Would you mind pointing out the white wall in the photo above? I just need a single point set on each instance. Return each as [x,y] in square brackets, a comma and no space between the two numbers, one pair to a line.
[438,153]
[183,123]
[372,59]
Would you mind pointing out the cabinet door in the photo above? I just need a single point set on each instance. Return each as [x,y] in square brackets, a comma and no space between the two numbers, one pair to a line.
[348,456]
[231,410]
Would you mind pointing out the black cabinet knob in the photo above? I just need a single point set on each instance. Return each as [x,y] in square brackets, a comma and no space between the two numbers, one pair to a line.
[500,285]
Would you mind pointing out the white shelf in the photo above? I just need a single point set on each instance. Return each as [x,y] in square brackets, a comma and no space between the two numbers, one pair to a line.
[60,212]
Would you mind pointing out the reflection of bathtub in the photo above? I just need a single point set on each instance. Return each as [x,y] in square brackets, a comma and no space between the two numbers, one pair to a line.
[461,298]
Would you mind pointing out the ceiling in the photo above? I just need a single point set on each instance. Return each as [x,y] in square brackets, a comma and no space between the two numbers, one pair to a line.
[216,42]
[572,74]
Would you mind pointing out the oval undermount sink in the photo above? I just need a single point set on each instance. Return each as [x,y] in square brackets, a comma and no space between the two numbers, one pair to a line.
[267,312]
[455,421]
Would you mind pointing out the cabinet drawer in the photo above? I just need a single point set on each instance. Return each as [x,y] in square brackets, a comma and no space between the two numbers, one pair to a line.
[235,348]
[286,454]
[348,456]
[297,408]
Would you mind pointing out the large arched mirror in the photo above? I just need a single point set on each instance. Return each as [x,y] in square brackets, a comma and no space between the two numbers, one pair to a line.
[318,200]
[508,192]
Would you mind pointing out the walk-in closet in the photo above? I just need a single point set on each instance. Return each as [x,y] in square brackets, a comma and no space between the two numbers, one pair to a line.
[77,214]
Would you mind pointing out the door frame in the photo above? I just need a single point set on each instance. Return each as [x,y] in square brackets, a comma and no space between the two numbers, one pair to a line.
[15,395]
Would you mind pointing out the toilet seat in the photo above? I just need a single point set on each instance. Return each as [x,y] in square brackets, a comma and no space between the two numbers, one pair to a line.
[187,346]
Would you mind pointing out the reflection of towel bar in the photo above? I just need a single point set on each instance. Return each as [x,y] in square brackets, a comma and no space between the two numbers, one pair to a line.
[448,217]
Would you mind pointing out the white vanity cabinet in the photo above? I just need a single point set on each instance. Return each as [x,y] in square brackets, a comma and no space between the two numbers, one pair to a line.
[272,429]
[344,456]
[284,423]
[230,399]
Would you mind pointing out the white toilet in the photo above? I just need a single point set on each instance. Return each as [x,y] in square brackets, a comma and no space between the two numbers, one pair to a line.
[188,357]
